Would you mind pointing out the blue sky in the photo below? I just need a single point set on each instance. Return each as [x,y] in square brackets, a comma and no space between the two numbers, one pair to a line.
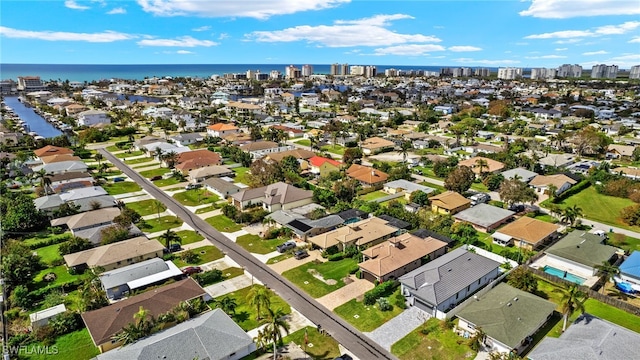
[529,33]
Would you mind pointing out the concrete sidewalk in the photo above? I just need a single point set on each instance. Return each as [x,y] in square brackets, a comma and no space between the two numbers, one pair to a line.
[350,291]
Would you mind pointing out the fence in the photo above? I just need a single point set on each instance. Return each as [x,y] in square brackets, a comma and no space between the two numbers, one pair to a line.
[453,312]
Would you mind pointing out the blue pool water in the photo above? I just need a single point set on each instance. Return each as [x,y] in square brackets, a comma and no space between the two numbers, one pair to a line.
[563,275]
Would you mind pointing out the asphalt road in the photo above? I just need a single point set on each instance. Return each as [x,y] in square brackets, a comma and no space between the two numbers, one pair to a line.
[356,342]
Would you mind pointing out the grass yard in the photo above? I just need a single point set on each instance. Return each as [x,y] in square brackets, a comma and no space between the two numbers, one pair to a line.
[546,218]
[137,161]
[189,236]
[373,195]
[223,223]
[335,149]
[242,175]
[441,344]
[304,142]
[369,317]
[231,272]
[434,186]
[164,223]
[478,186]
[147,207]
[62,276]
[76,345]
[330,270]
[113,148]
[246,314]
[277,259]
[255,244]
[122,187]
[622,241]
[599,207]
[166,182]
[49,254]
[44,237]
[206,254]
[196,197]
[323,347]
[207,209]
[154,172]
[125,154]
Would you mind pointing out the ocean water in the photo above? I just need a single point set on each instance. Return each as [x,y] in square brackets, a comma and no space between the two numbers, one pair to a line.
[139,72]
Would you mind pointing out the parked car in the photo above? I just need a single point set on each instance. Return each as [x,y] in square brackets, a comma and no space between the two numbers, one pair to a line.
[174,247]
[300,254]
[286,246]
[479,198]
[517,208]
[190,270]
[157,177]
[193,186]
[118,179]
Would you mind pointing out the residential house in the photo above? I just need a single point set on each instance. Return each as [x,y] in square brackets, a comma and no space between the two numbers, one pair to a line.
[260,148]
[88,225]
[441,284]
[221,187]
[376,145]
[58,158]
[303,228]
[408,187]
[93,117]
[292,133]
[630,271]
[74,109]
[273,197]
[41,318]
[62,167]
[115,255]
[323,166]
[484,217]
[557,160]
[71,180]
[117,283]
[615,151]
[187,139]
[561,181]
[630,172]
[196,159]
[508,317]
[589,337]
[399,255]
[367,232]
[352,215]
[580,253]
[449,202]
[212,335]
[51,203]
[527,233]
[106,322]
[140,144]
[299,154]
[50,150]
[201,174]
[489,166]
[521,174]
[367,176]
[221,130]
[425,233]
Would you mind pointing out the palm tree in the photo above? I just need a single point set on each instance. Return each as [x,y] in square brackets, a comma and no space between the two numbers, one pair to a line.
[551,191]
[158,206]
[572,299]
[482,164]
[169,236]
[259,296]
[158,152]
[45,180]
[608,272]
[261,340]
[477,340]
[571,214]
[143,325]
[103,167]
[275,324]
[171,158]
[98,158]
[228,305]
[405,146]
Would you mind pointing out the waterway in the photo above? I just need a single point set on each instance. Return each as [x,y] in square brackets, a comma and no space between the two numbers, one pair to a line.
[36,122]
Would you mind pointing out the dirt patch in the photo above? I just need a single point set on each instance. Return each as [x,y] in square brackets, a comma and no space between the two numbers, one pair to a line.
[316,275]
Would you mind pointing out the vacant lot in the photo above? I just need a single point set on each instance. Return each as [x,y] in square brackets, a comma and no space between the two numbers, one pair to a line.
[205,254]
[368,317]
[147,207]
[196,197]
[328,277]
[122,187]
[223,223]
[164,223]
[255,244]
[319,346]
[246,314]
[154,172]
[431,341]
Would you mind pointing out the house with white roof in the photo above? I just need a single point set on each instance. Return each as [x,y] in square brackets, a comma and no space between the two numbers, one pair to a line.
[93,117]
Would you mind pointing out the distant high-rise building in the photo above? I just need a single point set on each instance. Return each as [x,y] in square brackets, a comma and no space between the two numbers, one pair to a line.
[370,71]
[634,72]
[344,69]
[261,76]
[251,74]
[391,72]
[335,69]
[274,75]
[446,72]
[460,72]
[509,73]
[7,86]
[356,70]
[482,72]
[569,71]
[543,73]
[307,70]
[292,72]
[30,83]
[603,71]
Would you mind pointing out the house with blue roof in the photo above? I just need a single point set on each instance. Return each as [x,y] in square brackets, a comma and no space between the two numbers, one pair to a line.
[630,271]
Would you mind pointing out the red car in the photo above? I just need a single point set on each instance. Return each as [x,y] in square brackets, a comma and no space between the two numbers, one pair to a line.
[190,270]
[157,177]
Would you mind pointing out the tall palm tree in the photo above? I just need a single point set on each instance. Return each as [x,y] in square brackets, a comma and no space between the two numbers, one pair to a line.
[98,157]
[45,180]
[158,207]
[551,191]
[171,158]
[169,236]
[275,324]
[607,271]
[482,164]
[405,146]
[572,299]
[259,296]
[228,305]
[571,214]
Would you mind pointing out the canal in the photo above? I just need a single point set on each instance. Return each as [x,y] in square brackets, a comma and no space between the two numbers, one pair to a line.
[36,122]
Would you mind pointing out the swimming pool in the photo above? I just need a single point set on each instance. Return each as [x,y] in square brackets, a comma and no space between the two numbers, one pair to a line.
[564,275]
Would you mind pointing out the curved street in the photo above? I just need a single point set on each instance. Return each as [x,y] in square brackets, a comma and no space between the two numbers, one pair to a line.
[356,342]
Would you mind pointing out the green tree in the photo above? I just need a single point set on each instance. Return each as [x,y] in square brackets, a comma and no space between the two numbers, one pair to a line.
[482,164]
[607,272]
[419,197]
[290,163]
[127,217]
[20,297]
[493,181]
[169,237]
[20,215]
[98,157]
[572,299]
[476,342]
[460,179]
[571,214]
[228,305]
[276,323]
[405,146]
[143,325]
[352,155]
[19,263]
[260,297]
[515,191]
[523,279]
[73,245]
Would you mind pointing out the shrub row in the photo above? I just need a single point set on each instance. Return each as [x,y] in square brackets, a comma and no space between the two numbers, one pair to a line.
[384,289]
[572,191]
[52,241]
[208,277]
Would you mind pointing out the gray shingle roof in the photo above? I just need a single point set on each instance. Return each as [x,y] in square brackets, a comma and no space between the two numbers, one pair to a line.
[136,271]
[589,338]
[447,275]
[583,248]
[483,215]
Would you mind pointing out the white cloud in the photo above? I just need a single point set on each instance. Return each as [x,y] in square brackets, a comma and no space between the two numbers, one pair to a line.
[562,9]
[237,8]
[184,52]
[184,41]
[600,52]
[116,11]
[562,49]
[464,48]
[102,37]
[223,36]
[566,34]
[568,41]
[486,62]
[635,40]
[546,57]
[346,33]
[202,28]
[598,31]
[71,4]
[623,61]
[409,49]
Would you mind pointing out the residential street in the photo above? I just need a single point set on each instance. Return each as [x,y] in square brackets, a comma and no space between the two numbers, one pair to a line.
[360,345]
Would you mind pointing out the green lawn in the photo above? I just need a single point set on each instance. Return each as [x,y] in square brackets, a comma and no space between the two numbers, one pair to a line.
[441,344]
[335,149]
[209,208]
[255,244]
[154,172]
[373,195]
[368,317]
[206,254]
[187,236]
[164,223]
[546,217]
[166,182]
[223,223]
[479,187]
[277,259]
[599,207]
[113,148]
[50,253]
[62,276]
[137,161]
[44,237]
[627,243]
[242,175]
[246,314]
[76,345]
[320,347]
[147,207]
[122,187]
[330,270]
[434,186]
[304,142]
[196,197]
[126,154]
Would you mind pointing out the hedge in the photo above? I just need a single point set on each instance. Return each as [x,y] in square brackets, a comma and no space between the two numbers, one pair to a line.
[336,257]
[208,277]
[572,191]
[379,291]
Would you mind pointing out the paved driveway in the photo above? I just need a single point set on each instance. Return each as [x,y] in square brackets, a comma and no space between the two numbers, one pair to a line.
[350,291]
[292,262]
[398,327]
[228,286]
